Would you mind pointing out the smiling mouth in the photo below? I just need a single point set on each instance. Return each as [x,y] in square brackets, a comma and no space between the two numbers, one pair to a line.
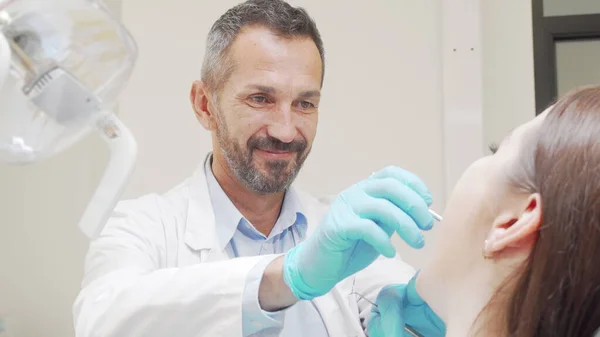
[275,153]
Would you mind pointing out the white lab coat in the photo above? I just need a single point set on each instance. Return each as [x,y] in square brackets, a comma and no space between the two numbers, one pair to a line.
[157,270]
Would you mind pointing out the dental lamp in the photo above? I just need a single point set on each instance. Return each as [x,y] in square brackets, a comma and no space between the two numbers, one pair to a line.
[63,64]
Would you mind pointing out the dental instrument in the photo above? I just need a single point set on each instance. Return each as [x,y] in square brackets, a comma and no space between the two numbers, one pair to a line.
[407,327]
[436,216]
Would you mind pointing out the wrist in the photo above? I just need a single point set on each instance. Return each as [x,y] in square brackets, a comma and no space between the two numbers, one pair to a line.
[274,294]
[295,278]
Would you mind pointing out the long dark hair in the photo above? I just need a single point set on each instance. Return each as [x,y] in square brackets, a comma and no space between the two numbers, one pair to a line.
[556,292]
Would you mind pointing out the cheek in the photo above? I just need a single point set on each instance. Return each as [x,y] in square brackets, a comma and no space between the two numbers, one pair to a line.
[307,126]
[470,210]
[471,185]
[466,207]
[242,124]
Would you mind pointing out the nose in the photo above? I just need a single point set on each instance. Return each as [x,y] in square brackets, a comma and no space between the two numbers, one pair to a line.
[282,125]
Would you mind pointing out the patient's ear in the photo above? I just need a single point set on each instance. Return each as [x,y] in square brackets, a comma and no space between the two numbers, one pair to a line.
[515,230]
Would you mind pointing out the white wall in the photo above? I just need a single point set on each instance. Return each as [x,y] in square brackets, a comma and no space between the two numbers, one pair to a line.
[508,82]
[41,249]
[382,105]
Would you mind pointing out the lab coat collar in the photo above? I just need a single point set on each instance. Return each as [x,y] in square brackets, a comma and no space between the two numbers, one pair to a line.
[227,216]
[200,224]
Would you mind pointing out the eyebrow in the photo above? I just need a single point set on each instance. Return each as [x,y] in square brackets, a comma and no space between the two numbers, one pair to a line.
[271,91]
[310,94]
[263,88]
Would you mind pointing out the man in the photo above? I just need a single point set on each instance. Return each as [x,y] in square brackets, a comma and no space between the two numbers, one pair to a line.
[235,250]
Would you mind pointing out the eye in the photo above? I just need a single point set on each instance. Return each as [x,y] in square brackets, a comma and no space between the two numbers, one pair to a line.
[306,105]
[493,147]
[259,99]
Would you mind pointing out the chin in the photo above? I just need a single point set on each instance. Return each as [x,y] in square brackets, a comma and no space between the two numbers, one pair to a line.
[279,175]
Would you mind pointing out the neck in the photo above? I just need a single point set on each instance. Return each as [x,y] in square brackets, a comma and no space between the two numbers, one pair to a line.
[473,317]
[261,210]
[463,303]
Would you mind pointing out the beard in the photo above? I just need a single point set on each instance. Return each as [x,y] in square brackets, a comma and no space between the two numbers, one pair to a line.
[279,174]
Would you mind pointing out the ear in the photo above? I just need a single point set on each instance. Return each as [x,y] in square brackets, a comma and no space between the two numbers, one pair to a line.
[517,230]
[202,105]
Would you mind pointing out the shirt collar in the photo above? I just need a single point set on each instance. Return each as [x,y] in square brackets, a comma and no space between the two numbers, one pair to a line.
[228,218]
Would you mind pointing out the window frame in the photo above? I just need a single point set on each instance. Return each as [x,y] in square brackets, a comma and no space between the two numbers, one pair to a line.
[547,30]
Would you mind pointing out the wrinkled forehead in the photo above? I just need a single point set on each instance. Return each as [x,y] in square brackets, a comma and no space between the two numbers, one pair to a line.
[259,53]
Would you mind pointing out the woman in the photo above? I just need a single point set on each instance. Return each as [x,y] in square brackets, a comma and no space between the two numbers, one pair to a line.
[518,252]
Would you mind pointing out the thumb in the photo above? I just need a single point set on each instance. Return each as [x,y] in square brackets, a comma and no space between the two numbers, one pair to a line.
[374,328]
[387,319]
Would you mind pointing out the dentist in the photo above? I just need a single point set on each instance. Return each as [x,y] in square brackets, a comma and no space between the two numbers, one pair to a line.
[235,250]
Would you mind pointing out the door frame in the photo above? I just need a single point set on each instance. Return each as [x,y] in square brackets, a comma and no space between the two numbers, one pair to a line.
[546,32]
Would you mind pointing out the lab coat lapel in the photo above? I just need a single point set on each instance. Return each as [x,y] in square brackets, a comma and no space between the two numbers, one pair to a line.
[200,232]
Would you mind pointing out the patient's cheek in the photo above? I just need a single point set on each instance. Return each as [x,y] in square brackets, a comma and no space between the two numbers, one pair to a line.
[481,180]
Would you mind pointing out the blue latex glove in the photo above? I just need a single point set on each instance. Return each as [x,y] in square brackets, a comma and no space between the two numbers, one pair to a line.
[400,304]
[357,229]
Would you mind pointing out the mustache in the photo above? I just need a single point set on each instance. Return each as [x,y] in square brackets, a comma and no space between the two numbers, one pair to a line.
[273,144]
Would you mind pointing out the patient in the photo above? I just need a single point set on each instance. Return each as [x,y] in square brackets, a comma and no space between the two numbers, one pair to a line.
[518,252]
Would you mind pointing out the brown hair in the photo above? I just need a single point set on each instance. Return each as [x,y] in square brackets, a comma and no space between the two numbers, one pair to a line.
[556,292]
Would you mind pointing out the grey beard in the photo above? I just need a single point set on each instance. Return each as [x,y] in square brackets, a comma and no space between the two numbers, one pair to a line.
[278,179]
[258,182]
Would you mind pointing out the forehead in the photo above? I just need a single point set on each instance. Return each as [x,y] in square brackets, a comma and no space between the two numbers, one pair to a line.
[258,54]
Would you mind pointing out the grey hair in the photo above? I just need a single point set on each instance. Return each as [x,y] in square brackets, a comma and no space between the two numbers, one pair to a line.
[276,15]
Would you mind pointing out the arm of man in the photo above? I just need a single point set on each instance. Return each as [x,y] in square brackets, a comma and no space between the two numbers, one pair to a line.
[274,294]
[127,292]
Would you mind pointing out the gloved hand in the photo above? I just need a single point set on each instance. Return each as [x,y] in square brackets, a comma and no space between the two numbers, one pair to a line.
[357,229]
[400,304]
